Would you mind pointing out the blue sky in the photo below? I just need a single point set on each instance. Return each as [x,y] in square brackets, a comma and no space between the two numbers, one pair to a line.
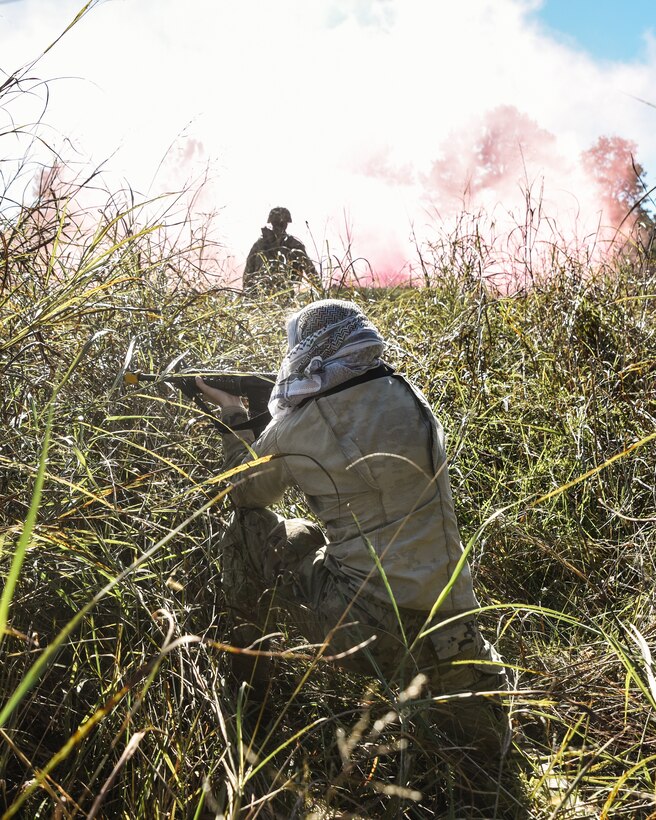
[606,29]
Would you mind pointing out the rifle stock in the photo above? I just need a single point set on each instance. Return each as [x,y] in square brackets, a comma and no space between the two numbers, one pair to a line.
[256,387]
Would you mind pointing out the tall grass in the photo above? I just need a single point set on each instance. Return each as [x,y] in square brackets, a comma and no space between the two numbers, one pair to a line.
[117,698]
[117,694]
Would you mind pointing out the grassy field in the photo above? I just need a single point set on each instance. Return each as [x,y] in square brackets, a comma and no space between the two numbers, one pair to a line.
[116,693]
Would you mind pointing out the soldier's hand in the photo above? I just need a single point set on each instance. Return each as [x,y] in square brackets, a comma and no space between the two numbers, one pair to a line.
[226,401]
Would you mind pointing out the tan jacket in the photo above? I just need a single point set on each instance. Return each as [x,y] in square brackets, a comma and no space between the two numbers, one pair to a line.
[370,460]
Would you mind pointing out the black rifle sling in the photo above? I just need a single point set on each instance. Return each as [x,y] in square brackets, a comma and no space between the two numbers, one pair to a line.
[259,422]
[375,373]
[378,372]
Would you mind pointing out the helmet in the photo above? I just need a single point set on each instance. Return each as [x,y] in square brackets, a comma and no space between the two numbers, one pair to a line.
[279,215]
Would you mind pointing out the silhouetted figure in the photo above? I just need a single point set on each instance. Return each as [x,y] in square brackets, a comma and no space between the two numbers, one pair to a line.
[277,259]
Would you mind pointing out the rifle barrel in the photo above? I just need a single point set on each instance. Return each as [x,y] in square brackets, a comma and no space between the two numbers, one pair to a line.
[256,387]
[237,384]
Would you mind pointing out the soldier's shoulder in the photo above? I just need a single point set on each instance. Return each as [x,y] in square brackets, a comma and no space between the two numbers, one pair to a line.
[258,244]
[293,242]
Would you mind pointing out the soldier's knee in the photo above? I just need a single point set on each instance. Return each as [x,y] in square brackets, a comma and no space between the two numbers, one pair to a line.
[289,544]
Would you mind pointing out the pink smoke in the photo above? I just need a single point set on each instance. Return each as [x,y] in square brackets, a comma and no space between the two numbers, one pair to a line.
[488,160]
[531,198]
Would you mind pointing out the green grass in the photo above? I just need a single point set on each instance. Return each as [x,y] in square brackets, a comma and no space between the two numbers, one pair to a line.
[116,686]
[116,697]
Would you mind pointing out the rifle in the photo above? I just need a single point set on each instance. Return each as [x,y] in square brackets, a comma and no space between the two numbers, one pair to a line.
[256,387]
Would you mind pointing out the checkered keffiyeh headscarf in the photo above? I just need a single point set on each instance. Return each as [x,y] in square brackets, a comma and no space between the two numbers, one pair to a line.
[328,343]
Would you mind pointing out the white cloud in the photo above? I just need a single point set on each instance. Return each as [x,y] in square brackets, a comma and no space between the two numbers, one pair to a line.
[328,107]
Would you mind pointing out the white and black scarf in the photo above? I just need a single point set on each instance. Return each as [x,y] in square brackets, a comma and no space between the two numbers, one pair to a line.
[328,343]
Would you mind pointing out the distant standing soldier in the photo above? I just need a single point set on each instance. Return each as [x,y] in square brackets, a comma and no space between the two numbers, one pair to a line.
[277,259]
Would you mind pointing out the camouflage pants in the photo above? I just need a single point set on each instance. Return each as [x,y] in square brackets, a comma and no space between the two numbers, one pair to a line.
[277,570]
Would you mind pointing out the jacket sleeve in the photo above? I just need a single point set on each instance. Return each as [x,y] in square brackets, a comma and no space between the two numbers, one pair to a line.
[254,264]
[263,484]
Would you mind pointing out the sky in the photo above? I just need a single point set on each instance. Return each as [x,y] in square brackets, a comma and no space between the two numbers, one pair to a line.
[612,30]
[378,123]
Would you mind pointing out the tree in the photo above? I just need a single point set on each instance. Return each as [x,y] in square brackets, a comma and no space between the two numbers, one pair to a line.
[619,177]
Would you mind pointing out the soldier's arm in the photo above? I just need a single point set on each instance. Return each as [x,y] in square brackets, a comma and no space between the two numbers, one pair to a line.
[300,255]
[264,484]
[252,266]
[254,258]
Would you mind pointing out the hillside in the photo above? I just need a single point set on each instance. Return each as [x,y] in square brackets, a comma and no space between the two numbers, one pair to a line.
[116,695]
